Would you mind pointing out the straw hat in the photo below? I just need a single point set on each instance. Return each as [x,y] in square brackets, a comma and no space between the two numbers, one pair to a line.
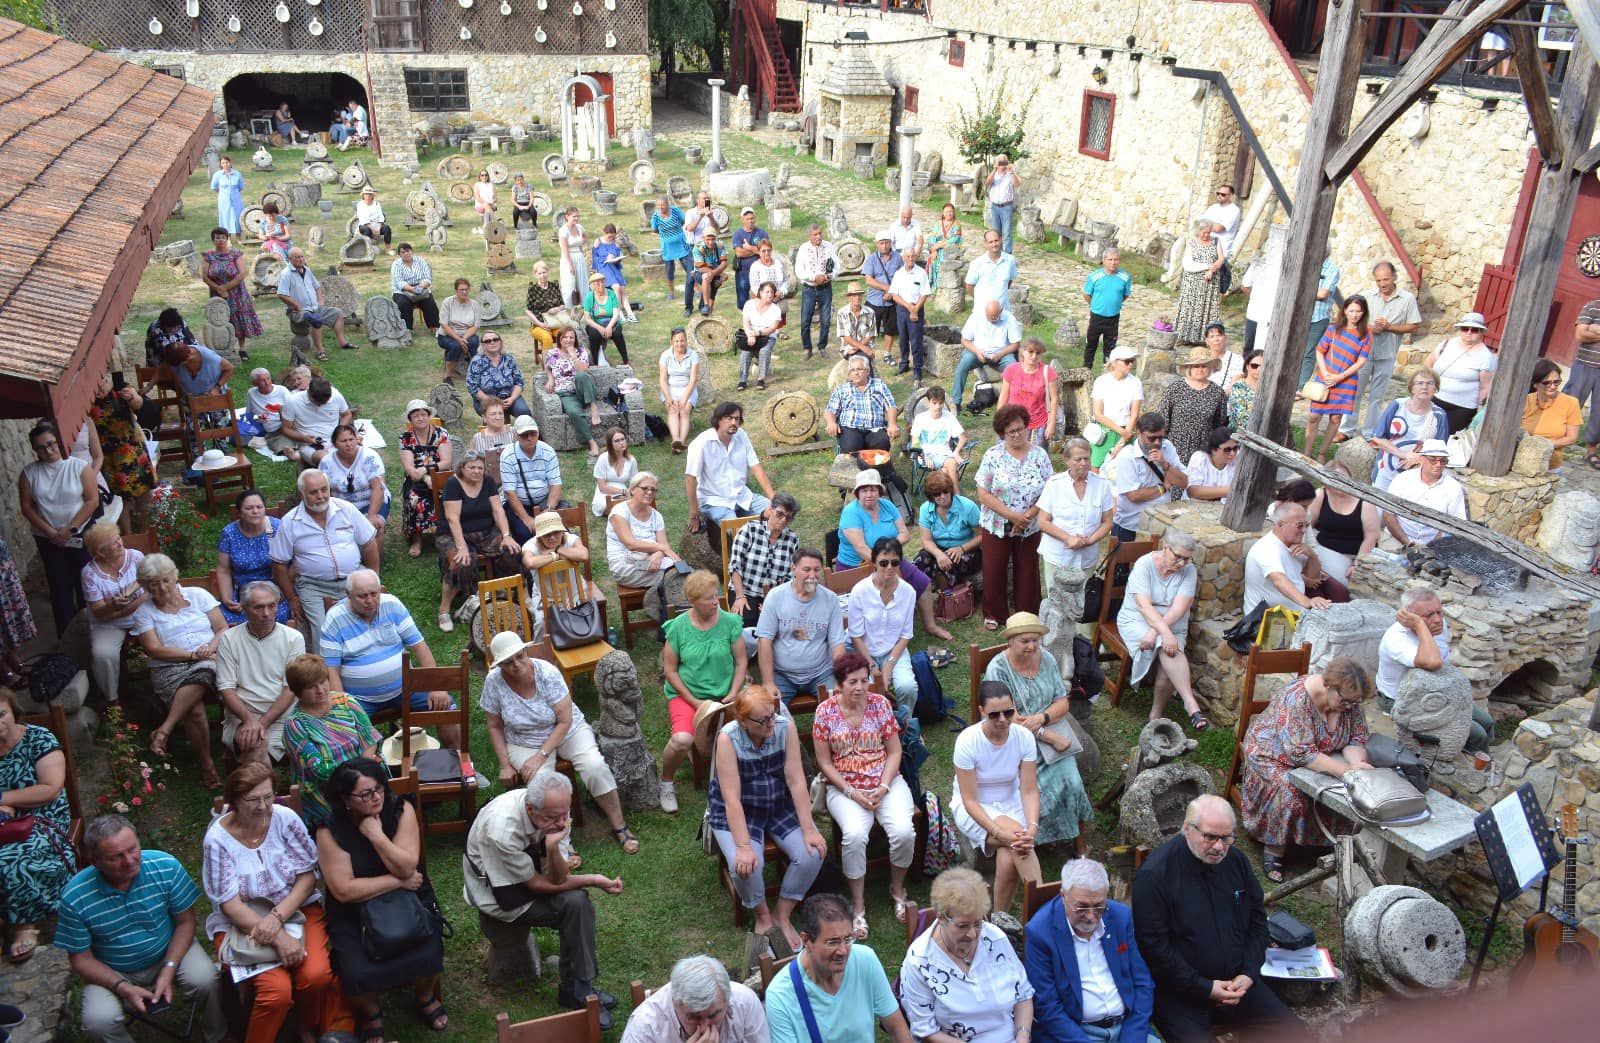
[1019,623]
[853,289]
[213,460]
[416,404]
[708,717]
[391,748]
[506,645]
[1199,356]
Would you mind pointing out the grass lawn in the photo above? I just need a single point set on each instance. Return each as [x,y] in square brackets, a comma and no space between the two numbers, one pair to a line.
[672,905]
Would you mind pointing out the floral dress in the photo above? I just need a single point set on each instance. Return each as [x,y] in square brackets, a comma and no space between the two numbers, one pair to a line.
[128,471]
[247,555]
[949,239]
[418,517]
[1241,400]
[223,266]
[34,871]
[1015,483]
[317,745]
[1063,802]
[1199,304]
[16,621]
[1287,735]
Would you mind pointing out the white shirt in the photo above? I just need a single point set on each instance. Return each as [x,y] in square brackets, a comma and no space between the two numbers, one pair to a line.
[977,1004]
[253,668]
[990,338]
[1446,496]
[186,629]
[1458,372]
[933,436]
[656,1020]
[1133,474]
[1267,558]
[330,553]
[882,625]
[354,483]
[312,419]
[906,236]
[1101,999]
[773,273]
[618,557]
[1397,654]
[759,315]
[1262,280]
[1078,516]
[812,261]
[910,285]
[1202,471]
[1227,215]
[1229,368]
[268,407]
[996,770]
[1116,397]
[1003,189]
[99,586]
[369,213]
[722,473]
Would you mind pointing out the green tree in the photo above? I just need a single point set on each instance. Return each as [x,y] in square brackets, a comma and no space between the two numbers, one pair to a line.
[987,132]
[29,12]
[683,32]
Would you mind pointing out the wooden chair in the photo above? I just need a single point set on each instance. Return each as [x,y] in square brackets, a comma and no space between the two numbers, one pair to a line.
[1036,897]
[503,605]
[563,585]
[637,992]
[843,582]
[457,680]
[1118,563]
[577,1026]
[918,920]
[436,482]
[630,600]
[405,787]
[241,474]
[1262,662]
[774,862]
[55,719]
[978,660]
[171,434]
[208,583]
[143,542]
[576,519]
[771,968]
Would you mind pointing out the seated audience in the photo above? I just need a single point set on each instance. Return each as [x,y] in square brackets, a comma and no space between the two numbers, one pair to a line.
[495,437]
[698,1003]
[1075,514]
[260,871]
[244,557]
[937,434]
[861,412]
[494,376]
[1549,413]
[356,473]
[762,552]
[323,730]
[197,370]
[179,628]
[168,329]
[112,592]
[1010,481]
[1090,983]
[758,792]
[996,792]
[127,924]
[1154,624]
[551,542]
[1282,569]
[545,309]
[717,470]
[302,294]
[856,325]
[1419,639]
[250,661]
[266,400]
[530,478]
[703,658]
[309,420]
[533,722]
[1211,469]
[801,630]
[319,542]
[515,875]
[879,621]
[33,782]
[424,449]
[460,319]
[857,744]
[477,528]
[566,376]
[613,470]
[845,986]
[411,288]
[961,979]
[57,495]
[947,524]
[603,316]
[365,639]
[871,518]
[638,551]
[679,379]
[1404,425]
[1346,527]
[1317,723]
[1429,485]
[1144,472]
[1039,692]
[369,846]
[1207,968]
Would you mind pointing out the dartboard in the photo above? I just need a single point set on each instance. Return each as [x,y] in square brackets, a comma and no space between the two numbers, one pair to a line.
[1589,257]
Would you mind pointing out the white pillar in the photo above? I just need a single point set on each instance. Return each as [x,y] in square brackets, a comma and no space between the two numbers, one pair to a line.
[716,120]
[602,133]
[908,160]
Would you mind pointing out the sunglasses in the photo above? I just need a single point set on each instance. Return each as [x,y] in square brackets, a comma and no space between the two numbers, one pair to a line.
[1550,383]
[889,563]
[1230,449]
[490,340]
[1001,715]
[1255,365]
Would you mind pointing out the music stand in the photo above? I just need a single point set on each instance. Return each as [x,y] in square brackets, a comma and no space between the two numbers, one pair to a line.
[1521,851]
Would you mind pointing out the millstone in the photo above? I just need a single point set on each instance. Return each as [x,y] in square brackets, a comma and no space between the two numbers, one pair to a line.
[711,335]
[792,418]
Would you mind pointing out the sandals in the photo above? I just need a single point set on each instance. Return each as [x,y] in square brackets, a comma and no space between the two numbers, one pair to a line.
[858,927]
[1593,460]
[1272,867]
[446,624]
[158,741]
[433,1014]
[1199,721]
[24,940]
[322,356]
[372,1030]
[939,658]
[626,840]
[903,906]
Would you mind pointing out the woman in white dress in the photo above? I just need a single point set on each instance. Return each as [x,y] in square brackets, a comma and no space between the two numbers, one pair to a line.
[1154,623]
[996,798]
[680,387]
[574,268]
[1075,512]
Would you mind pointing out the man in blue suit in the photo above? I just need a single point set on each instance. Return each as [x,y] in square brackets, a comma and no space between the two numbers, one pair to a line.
[1090,983]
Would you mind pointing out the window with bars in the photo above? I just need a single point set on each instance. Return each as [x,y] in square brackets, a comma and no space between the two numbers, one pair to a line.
[1094,129]
[437,90]
[958,53]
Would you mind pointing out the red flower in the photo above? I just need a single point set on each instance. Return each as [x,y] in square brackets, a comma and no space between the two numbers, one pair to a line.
[138,801]
[101,799]
[1122,946]
[127,785]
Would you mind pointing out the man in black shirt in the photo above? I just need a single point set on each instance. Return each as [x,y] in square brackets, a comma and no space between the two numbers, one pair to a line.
[1201,924]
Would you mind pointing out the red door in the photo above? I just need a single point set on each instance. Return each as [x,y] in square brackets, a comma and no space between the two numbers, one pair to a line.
[581,96]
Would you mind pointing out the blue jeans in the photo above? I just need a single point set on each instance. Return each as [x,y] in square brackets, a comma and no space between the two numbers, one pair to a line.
[910,333]
[717,515]
[1113,1034]
[811,299]
[968,363]
[741,285]
[518,408]
[1005,216]
[804,864]
[789,685]
[903,680]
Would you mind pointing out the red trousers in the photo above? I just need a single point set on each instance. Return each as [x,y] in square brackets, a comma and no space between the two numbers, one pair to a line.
[1014,559]
[312,990]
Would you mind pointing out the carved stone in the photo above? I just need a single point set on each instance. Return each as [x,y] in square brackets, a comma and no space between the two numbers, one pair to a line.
[621,739]
[557,430]
[261,159]
[341,293]
[681,191]
[358,250]
[710,334]
[852,255]
[179,255]
[780,217]
[526,246]
[384,325]
[740,187]
[1068,336]
[1063,605]
[698,550]
[302,194]
[1153,805]
[1030,228]
[1437,703]
[498,257]
[317,237]
[217,333]
[1352,629]
[1161,741]
[1570,529]
[792,417]
[264,272]
[491,309]
[322,171]
[1532,456]
[644,142]
[838,223]
[438,235]
[605,202]
[1357,455]
[316,150]
[1409,940]
[952,290]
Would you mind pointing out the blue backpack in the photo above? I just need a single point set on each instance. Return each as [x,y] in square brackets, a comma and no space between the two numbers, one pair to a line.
[932,704]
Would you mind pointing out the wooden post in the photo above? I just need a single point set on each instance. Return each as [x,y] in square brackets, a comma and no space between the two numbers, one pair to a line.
[1303,256]
[1535,285]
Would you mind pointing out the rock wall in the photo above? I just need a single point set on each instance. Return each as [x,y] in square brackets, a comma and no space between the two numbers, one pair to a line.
[691,89]
[1218,555]
[1513,505]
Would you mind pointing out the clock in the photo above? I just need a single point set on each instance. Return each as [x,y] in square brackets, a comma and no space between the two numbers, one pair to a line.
[1588,256]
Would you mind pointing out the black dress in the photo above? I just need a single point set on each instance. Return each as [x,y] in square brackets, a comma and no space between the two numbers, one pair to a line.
[359,974]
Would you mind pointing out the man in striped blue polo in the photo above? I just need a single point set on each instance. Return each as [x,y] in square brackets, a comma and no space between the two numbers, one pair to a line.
[128,925]
[365,638]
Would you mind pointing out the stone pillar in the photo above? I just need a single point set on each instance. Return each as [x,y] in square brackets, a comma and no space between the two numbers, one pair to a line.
[716,124]
[908,161]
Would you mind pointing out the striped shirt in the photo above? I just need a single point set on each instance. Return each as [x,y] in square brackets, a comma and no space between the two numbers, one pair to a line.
[1589,354]
[128,930]
[368,655]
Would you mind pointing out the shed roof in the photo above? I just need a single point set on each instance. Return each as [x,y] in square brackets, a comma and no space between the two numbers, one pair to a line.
[94,154]
[855,74]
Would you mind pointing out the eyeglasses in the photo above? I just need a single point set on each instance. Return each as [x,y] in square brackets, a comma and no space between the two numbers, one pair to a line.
[778,512]
[1224,193]
[889,563]
[1213,838]
[1230,449]
[1001,715]
[371,793]
[1181,559]
[837,943]
[1084,910]
[1016,431]
[257,802]
[490,340]
[1550,383]
[764,721]
[647,488]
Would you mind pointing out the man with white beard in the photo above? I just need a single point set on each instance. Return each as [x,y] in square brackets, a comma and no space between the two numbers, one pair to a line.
[801,630]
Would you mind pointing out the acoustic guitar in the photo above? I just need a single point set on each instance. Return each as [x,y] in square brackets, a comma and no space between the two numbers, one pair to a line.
[1556,950]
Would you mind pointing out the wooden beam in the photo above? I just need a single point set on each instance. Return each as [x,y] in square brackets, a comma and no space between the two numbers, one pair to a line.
[1307,247]
[1441,50]
[1588,161]
[1530,558]
[1537,269]
[1536,97]
[1587,18]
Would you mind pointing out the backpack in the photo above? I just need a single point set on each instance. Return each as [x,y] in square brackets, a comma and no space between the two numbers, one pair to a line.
[655,428]
[943,848]
[932,704]
[984,397]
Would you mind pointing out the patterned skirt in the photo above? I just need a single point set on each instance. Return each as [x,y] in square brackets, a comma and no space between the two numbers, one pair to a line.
[16,621]
[1198,307]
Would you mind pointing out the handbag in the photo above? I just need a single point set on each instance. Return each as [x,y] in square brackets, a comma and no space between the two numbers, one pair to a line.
[575,625]
[955,602]
[1242,634]
[1061,729]
[1094,591]
[238,949]
[1314,391]
[1286,931]
[1094,433]
[1380,795]
[16,828]
[437,766]
[395,922]
[1384,752]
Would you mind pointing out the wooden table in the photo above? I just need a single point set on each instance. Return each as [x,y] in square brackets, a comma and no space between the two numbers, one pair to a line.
[1448,829]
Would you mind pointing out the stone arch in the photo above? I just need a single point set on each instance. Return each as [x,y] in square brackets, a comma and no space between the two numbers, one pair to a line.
[312,96]
[569,112]
[1532,685]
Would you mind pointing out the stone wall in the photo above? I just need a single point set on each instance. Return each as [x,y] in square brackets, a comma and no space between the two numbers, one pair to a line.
[691,89]
[1513,505]
[1218,554]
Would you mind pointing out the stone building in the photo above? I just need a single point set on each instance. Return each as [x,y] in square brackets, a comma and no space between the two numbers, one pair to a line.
[1139,111]
[420,69]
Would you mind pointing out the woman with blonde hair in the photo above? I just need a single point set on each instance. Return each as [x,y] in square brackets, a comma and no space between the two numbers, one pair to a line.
[702,659]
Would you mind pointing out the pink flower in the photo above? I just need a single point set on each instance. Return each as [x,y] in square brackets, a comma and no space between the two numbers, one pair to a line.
[127,785]
[161,785]
[120,736]
[138,801]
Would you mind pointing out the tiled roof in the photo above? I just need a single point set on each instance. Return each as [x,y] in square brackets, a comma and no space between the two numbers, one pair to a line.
[94,153]
[855,74]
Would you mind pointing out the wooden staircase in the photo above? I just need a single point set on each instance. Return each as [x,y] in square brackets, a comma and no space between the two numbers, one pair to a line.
[767,66]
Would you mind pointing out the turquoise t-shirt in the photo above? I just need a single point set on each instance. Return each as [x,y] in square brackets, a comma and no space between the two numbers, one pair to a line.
[854,517]
[705,657]
[958,527]
[849,1017]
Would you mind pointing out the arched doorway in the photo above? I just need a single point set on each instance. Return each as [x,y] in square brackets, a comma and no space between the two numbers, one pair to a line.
[312,96]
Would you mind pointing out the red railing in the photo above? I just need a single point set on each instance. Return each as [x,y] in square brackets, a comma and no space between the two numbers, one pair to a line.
[773,77]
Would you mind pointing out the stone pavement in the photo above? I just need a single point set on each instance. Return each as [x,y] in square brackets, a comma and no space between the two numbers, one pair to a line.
[40,987]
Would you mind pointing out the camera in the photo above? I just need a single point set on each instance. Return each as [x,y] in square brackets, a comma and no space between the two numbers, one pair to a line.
[119,380]
[827,266]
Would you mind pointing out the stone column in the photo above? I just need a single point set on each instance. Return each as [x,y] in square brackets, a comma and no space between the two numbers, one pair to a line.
[602,134]
[715,163]
[908,161]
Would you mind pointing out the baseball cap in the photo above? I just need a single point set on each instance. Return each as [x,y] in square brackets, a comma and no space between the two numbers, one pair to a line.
[748,210]
[1124,354]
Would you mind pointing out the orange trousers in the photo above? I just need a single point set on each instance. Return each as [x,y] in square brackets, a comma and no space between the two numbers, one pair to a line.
[312,990]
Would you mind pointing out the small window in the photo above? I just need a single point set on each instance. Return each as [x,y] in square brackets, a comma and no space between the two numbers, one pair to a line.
[912,97]
[958,53]
[437,90]
[1094,131]
[175,71]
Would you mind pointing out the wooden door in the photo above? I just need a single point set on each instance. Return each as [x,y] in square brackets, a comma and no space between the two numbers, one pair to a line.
[581,96]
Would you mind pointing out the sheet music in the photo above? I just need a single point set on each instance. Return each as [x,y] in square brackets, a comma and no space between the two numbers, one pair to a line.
[1521,848]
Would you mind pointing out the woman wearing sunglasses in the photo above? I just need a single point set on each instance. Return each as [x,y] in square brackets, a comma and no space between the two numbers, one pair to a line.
[996,796]
[879,620]
[356,473]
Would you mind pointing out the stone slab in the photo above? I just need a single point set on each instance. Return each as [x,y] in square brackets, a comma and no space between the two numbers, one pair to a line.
[1448,829]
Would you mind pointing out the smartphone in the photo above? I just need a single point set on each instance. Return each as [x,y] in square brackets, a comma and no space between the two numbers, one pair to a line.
[119,381]
[157,1007]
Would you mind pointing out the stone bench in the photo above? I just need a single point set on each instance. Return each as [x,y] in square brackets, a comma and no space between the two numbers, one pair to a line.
[556,429]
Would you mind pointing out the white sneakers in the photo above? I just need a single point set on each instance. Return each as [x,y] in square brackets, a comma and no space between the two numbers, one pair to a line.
[669,798]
